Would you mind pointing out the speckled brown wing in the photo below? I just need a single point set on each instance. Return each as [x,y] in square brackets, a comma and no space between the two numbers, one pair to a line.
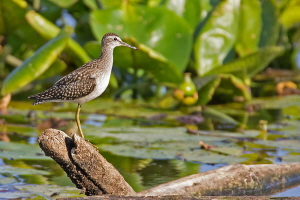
[78,83]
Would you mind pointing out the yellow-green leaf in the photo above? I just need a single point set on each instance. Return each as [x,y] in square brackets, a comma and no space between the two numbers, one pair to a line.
[37,64]
[250,22]
[48,30]
[254,62]
[291,15]
[206,88]
[216,37]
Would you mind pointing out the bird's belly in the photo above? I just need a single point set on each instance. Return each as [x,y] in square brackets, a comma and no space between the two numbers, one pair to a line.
[99,89]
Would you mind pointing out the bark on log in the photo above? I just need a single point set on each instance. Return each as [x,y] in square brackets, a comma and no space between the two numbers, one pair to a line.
[232,180]
[175,197]
[87,169]
[95,176]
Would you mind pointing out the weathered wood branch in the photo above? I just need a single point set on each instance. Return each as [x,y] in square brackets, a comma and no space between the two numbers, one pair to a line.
[173,197]
[232,180]
[87,169]
[95,176]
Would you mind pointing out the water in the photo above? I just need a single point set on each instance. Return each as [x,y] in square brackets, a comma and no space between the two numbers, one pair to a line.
[171,152]
[291,192]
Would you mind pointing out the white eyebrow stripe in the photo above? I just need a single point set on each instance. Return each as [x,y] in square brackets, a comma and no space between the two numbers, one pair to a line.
[112,37]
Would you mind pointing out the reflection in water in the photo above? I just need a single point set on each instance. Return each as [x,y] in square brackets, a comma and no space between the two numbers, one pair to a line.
[162,171]
[292,192]
[142,174]
[207,167]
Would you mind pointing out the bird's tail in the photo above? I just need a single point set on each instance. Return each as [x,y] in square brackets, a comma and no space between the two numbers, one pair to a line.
[36,97]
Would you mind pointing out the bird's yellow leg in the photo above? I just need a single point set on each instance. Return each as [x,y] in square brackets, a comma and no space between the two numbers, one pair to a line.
[80,133]
[78,121]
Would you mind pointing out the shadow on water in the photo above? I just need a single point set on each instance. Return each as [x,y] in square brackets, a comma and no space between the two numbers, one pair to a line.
[147,146]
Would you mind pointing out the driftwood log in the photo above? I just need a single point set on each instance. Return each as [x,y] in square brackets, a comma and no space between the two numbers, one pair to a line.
[91,173]
[87,169]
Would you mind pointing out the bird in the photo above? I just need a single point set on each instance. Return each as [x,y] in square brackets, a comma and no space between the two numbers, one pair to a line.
[86,82]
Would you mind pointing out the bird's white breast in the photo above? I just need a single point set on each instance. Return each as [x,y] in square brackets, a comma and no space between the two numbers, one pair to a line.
[101,84]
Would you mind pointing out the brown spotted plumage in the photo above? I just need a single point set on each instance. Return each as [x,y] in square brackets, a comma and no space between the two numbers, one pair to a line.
[85,83]
[77,84]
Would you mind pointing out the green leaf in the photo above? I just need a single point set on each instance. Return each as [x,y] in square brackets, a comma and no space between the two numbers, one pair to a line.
[13,150]
[11,10]
[291,14]
[219,116]
[277,103]
[57,67]
[231,87]
[92,5]
[15,195]
[44,27]
[192,11]
[63,3]
[21,171]
[217,36]
[104,4]
[15,27]
[207,88]
[283,144]
[254,62]
[160,69]
[6,180]
[228,151]
[46,191]
[37,64]
[249,27]
[163,50]
[200,82]
[93,48]
[291,158]
[270,23]
[48,30]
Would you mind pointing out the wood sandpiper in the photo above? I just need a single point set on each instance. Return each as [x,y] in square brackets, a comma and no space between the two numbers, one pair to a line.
[85,83]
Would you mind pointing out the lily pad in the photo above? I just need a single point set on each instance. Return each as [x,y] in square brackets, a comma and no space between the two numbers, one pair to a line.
[277,103]
[6,180]
[138,134]
[171,153]
[285,144]
[21,171]
[214,158]
[167,143]
[14,195]
[21,129]
[291,158]
[49,191]
[12,150]
[42,192]
[227,151]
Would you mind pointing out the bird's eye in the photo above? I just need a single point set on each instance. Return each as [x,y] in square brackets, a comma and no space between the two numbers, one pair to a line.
[115,39]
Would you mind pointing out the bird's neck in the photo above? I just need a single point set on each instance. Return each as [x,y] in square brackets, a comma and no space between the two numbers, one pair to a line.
[106,56]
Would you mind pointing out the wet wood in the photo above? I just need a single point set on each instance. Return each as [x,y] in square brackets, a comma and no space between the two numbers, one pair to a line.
[83,164]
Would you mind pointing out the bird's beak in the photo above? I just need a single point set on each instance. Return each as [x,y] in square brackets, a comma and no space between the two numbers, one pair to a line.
[127,45]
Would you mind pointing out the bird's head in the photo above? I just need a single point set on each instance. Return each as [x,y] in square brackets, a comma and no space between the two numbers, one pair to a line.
[113,40]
